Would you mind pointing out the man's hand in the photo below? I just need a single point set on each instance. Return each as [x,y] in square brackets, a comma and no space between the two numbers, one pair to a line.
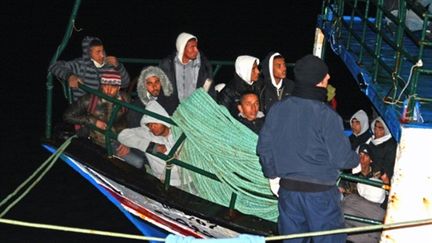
[385,179]
[122,150]
[73,81]
[101,124]
[112,60]
[161,148]
[274,185]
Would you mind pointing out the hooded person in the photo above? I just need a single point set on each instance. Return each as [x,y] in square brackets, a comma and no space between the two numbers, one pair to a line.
[153,84]
[246,78]
[361,133]
[303,143]
[188,69]
[275,83]
[88,67]
[382,147]
[154,135]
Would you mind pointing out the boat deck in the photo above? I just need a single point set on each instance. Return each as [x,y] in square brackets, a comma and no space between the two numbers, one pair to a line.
[389,80]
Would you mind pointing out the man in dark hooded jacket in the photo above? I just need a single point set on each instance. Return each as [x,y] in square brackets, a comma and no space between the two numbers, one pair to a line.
[188,69]
[246,78]
[87,69]
[302,142]
[275,84]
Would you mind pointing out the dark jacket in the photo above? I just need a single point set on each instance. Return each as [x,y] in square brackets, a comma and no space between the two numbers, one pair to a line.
[383,150]
[303,140]
[205,72]
[81,113]
[166,98]
[254,125]
[270,94]
[357,140]
[230,95]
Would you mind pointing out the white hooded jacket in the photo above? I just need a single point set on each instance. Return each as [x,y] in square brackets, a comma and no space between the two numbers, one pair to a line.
[141,137]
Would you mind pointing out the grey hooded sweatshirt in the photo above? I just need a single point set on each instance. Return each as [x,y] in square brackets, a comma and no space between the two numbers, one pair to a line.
[85,69]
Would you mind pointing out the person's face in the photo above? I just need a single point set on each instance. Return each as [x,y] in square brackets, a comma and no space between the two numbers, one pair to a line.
[249,106]
[97,53]
[153,85]
[365,160]
[255,72]
[157,129]
[379,129]
[355,126]
[110,90]
[279,68]
[191,50]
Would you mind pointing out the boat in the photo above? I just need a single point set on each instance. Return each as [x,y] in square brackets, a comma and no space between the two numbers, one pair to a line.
[158,209]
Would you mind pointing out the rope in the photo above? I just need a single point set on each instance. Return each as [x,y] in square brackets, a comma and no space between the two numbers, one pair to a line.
[270,238]
[219,144]
[45,167]
[79,230]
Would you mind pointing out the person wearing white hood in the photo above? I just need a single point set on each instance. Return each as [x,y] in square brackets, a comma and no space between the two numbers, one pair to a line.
[246,78]
[359,123]
[383,148]
[188,69]
[275,83]
[153,132]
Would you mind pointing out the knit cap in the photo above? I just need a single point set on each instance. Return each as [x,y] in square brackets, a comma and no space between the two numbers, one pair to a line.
[309,71]
[110,76]
[364,148]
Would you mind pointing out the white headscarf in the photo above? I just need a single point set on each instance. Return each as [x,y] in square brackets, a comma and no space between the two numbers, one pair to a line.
[387,134]
[243,67]
[362,117]
[155,107]
[181,42]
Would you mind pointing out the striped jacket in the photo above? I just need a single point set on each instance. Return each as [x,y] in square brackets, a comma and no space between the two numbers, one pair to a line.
[85,69]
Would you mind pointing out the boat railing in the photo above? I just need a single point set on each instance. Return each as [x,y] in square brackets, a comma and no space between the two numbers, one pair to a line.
[376,21]
[170,158]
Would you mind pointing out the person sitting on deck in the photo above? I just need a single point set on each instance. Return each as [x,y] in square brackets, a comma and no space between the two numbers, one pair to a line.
[383,150]
[87,68]
[275,83]
[188,68]
[93,110]
[363,200]
[246,77]
[359,123]
[154,136]
[249,114]
[152,84]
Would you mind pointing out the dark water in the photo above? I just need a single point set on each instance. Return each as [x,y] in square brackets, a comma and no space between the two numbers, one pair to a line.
[146,29]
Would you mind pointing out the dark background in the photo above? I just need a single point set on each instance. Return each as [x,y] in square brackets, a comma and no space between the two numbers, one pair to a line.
[30,33]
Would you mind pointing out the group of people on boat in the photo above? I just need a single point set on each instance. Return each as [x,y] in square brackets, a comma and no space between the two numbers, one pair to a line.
[293,119]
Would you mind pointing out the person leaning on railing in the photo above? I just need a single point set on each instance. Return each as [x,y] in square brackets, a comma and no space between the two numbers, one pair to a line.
[154,136]
[91,110]
[87,69]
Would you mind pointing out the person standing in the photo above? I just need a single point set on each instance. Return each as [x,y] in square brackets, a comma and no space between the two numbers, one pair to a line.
[275,83]
[302,148]
[188,69]
[88,68]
